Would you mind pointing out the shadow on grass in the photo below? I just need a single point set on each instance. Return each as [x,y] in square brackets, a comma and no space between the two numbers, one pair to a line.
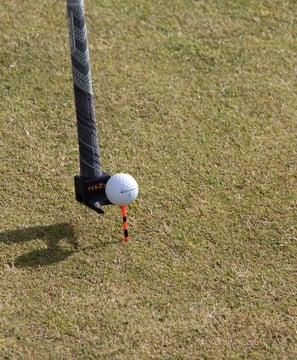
[51,234]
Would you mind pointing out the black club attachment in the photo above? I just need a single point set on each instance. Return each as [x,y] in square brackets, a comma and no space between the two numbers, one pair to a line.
[91,191]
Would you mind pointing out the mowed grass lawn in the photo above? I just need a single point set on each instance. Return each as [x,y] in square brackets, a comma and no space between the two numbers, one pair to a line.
[195,99]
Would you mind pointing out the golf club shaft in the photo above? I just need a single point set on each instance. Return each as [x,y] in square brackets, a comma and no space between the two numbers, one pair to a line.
[89,156]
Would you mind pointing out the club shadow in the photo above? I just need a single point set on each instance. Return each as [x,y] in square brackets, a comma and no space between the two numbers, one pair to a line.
[43,257]
[51,234]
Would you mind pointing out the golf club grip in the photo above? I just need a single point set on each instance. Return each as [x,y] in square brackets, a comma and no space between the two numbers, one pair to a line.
[83,92]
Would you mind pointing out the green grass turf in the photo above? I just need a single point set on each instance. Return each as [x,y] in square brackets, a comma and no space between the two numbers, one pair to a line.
[197,100]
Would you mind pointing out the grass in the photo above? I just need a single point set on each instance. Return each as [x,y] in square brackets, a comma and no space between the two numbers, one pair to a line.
[197,100]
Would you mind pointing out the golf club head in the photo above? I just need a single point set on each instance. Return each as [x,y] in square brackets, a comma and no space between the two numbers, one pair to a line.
[91,191]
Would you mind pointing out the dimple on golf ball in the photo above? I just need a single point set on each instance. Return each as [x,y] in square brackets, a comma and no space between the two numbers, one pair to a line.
[121,189]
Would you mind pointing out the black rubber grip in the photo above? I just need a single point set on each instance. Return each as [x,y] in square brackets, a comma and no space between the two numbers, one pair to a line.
[84,104]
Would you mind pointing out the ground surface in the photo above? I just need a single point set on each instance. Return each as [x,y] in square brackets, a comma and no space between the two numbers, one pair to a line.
[197,100]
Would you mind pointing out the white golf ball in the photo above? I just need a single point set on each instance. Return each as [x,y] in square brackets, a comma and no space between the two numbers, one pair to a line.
[121,189]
